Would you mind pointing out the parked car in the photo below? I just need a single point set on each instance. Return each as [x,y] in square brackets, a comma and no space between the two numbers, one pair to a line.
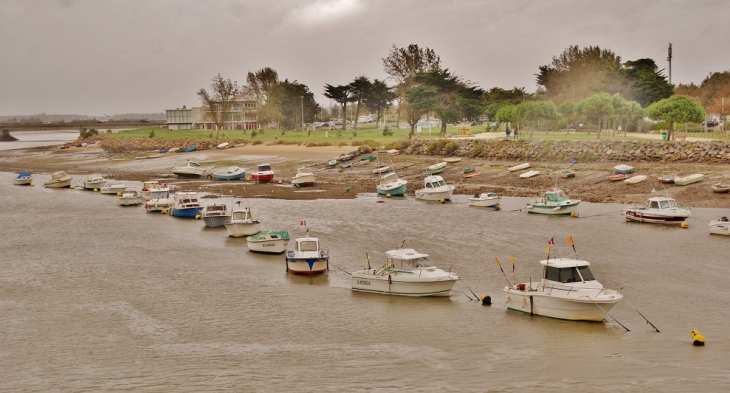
[335,122]
[144,121]
[710,123]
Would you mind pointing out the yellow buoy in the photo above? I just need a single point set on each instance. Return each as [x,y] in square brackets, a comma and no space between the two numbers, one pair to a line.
[163,211]
[119,194]
[387,195]
[146,199]
[574,214]
[279,181]
[197,216]
[442,200]
[684,225]
[95,190]
[486,299]
[697,338]
[31,184]
[230,191]
[72,187]
[498,207]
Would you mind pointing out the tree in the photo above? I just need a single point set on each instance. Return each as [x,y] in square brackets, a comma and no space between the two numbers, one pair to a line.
[675,109]
[293,99]
[577,73]
[597,106]
[507,114]
[537,110]
[379,98]
[341,95]
[359,89]
[261,87]
[648,83]
[402,65]
[219,101]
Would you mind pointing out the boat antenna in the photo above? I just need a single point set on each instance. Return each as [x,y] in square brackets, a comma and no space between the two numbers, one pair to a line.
[368,258]
[503,273]
[404,242]
[512,261]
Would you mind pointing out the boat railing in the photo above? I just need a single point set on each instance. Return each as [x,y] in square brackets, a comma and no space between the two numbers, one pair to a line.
[609,283]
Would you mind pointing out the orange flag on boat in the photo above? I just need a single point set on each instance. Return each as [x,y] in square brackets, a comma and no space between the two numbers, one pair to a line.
[569,240]
[512,259]
[547,250]
[496,261]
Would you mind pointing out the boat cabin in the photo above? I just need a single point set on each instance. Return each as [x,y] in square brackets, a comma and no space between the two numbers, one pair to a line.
[306,244]
[408,259]
[193,164]
[556,195]
[187,199]
[241,215]
[661,203]
[148,185]
[159,193]
[565,270]
[264,167]
[434,182]
[216,210]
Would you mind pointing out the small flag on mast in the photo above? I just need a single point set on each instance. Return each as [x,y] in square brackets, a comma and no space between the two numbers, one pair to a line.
[569,240]
[302,223]
[550,241]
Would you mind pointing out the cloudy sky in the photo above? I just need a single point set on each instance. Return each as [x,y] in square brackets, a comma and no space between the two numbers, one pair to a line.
[97,57]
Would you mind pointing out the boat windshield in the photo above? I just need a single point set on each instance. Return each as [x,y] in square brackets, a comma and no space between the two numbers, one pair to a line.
[564,275]
[436,184]
[585,271]
[561,195]
[308,245]
[421,263]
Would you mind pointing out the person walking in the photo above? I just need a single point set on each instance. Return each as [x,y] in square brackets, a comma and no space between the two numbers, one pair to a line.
[515,132]
[507,131]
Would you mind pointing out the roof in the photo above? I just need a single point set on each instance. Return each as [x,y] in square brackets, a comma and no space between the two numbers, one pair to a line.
[431,179]
[405,253]
[659,199]
[564,262]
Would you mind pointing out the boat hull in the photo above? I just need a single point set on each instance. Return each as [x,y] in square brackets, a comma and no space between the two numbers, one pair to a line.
[719,227]
[58,184]
[186,212]
[216,221]
[189,174]
[262,178]
[401,285]
[23,181]
[541,303]
[91,185]
[642,215]
[553,210]
[394,189]
[484,202]
[268,246]
[623,169]
[304,180]
[158,205]
[243,229]
[237,176]
[683,181]
[112,189]
[307,266]
[519,167]
[434,195]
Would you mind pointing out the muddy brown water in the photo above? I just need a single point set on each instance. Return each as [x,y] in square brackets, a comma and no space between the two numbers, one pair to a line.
[96,297]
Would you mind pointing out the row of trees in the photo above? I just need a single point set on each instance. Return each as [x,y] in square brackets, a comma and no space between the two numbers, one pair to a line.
[591,84]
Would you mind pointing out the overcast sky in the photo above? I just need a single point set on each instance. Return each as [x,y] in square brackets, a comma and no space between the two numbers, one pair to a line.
[97,57]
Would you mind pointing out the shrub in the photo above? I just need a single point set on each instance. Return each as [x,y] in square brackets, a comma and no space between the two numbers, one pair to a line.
[436,146]
[477,150]
[354,133]
[387,131]
[254,134]
[257,142]
[450,148]
[152,134]
[587,157]
[283,132]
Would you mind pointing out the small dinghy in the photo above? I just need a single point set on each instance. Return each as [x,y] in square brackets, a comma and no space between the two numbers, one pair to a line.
[529,174]
[635,179]
[720,188]
[519,167]
[616,177]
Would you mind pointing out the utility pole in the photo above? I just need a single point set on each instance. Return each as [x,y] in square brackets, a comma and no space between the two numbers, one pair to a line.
[669,59]
[302,99]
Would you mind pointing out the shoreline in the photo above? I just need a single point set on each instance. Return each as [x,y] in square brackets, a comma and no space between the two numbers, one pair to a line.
[589,184]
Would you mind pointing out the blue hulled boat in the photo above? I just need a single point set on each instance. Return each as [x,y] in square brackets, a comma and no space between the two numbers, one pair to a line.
[186,205]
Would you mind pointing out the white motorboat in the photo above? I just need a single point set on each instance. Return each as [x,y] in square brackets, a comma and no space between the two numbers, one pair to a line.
[519,167]
[242,223]
[269,242]
[115,189]
[93,182]
[58,180]
[721,226]
[406,272]
[304,256]
[147,185]
[158,199]
[567,290]
[553,202]
[435,189]
[191,169]
[129,198]
[485,199]
[23,179]
[216,215]
[304,177]
[391,184]
[635,179]
[529,174]
[658,210]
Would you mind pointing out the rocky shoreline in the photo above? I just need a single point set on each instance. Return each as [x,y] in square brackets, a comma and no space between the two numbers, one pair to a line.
[549,157]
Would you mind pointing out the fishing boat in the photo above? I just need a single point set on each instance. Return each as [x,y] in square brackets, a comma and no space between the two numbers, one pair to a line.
[215,215]
[58,180]
[667,179]
[435,189]
[567,173]
[689,179]
[406,272]
[485,199]
[263,173]
[721,226]
[623,168]
[158,199]
[720,188]
[242,223]
[553,202]
[190,169]
[658,210]
[268,242]
[185,205]
[113,189]
[391,184]
[304,256]
[230,173]
[616,177]
[635,179]
[567,290]
[304,177]
[93,182]
[23,179]
[529,174]
[519,167]
[129,197]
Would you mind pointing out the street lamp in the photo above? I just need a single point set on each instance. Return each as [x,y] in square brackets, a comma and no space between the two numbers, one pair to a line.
[302,99]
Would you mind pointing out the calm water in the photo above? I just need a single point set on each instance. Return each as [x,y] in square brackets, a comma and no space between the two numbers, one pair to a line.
[96,298]
[28,139]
